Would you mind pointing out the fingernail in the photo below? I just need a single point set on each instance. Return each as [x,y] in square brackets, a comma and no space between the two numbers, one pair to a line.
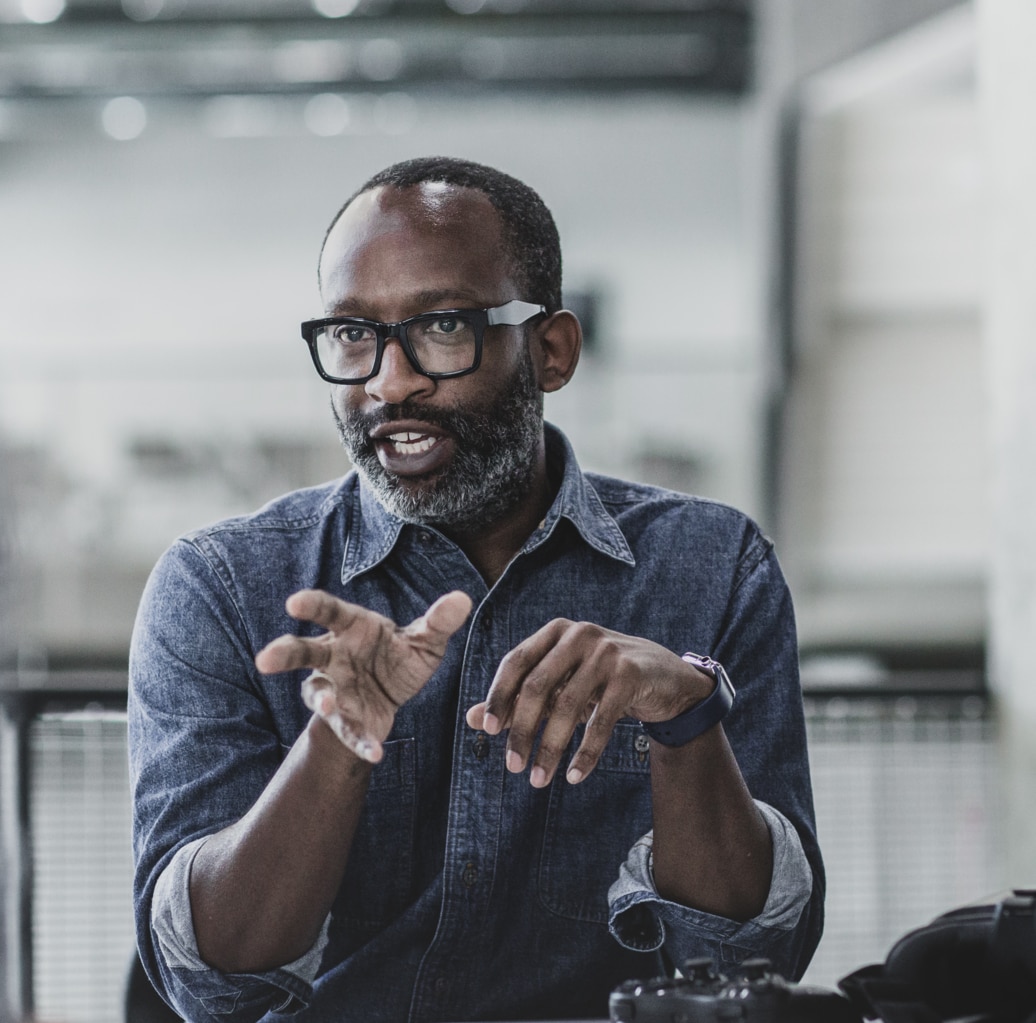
[538,778]
[490,724]
[514,762]
[574,776]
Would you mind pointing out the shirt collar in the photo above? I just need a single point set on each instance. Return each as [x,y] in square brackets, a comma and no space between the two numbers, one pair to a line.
[373,531]
[578,502]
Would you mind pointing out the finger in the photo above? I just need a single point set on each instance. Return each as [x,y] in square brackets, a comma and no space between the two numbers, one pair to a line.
[511,675]
[313,686]
[595,738]
[571,705]
[328,611]
[320,699]
[475,716]
[365,747]
[548,693]
[288,653]
[441,621]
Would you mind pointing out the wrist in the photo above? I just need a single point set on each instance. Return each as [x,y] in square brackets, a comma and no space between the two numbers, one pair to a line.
[703,715]
[326,744]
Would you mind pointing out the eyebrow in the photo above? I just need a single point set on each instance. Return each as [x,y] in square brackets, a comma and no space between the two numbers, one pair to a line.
[425,302]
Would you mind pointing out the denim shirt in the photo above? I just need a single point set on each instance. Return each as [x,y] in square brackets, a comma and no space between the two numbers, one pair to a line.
[468,894]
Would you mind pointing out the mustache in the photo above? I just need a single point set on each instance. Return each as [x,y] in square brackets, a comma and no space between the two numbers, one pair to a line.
[361,424]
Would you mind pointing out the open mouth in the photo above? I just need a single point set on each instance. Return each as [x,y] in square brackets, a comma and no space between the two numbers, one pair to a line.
[410,443]
[412,449]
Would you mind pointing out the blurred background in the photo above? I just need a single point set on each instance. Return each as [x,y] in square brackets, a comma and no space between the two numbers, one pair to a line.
[798,233]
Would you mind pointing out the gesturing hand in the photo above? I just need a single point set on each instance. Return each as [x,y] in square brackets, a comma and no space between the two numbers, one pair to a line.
[572,672]
[366,666]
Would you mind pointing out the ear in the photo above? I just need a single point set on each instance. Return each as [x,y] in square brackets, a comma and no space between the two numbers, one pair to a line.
[555,345]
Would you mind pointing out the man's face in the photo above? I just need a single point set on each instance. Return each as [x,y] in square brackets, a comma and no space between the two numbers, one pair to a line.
[457,453]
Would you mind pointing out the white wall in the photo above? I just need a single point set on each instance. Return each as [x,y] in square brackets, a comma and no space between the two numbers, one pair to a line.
[153,289]
[885,471]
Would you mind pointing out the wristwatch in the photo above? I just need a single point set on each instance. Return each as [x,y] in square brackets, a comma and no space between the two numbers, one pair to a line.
[702,716]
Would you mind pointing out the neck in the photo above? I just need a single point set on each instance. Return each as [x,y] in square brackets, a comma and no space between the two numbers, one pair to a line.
[491,548]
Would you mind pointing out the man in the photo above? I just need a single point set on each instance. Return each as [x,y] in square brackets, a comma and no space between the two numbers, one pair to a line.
[421,789]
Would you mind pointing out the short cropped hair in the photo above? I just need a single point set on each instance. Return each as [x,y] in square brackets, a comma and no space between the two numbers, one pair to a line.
[529,231]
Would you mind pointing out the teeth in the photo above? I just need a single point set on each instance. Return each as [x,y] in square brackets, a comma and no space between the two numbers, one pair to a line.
[411,443]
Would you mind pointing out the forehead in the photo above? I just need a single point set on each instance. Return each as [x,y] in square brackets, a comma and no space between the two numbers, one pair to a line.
[391,245]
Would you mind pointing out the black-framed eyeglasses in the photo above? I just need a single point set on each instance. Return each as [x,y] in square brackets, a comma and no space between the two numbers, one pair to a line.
[444,343]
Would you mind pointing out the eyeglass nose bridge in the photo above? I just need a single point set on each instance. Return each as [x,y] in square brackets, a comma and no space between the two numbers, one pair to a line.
[387,332]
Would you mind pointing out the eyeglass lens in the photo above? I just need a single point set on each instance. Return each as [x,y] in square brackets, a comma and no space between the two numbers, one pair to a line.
[440,344]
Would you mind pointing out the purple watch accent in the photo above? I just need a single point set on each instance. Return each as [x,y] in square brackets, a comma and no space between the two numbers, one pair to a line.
[703,715]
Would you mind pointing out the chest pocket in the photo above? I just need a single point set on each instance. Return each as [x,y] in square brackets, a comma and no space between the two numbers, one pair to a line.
[380,870]
[592,826]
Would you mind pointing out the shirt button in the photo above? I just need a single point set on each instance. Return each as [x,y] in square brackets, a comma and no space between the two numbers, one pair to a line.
[440,985]
[480,746]
[470,875]
[424,537]
[487,619]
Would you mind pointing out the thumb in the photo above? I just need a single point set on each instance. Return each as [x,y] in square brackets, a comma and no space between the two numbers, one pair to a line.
[443,618]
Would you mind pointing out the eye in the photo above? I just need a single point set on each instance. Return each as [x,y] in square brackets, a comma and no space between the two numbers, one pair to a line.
[352,333]
[446,325]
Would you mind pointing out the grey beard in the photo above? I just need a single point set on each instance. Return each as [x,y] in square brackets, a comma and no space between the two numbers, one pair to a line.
[492,469]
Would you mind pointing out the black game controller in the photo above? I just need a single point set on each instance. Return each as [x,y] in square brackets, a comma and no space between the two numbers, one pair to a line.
[754,994]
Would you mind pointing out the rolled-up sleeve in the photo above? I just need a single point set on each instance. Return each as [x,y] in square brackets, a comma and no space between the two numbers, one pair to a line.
[766,729]
[202,749]
[173,927]
[641,920]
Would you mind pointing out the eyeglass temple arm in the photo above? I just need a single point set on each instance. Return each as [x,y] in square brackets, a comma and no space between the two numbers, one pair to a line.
[513,313]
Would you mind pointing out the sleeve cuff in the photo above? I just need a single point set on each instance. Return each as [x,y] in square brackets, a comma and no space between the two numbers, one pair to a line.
[173,924]
[639,915]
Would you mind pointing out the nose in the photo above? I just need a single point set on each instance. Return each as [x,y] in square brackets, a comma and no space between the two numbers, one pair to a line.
[396,380]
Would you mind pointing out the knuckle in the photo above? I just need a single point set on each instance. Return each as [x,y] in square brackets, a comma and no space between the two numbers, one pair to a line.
[599,730]
[537,684]
[548,753]
[569,704]
[512,665]
[519,738]
[586,759]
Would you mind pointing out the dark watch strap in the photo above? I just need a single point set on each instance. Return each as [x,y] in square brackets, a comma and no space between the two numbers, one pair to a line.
[702,716]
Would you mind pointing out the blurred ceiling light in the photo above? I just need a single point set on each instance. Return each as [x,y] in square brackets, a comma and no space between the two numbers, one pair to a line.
[395,113]
[312,60]
[42,12]
[381,60]
[143,10]
[466,6]
[327,114]
[335,8]
[124,118]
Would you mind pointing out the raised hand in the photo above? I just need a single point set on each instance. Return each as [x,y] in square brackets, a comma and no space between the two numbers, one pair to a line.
[365,665]
[572,672]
